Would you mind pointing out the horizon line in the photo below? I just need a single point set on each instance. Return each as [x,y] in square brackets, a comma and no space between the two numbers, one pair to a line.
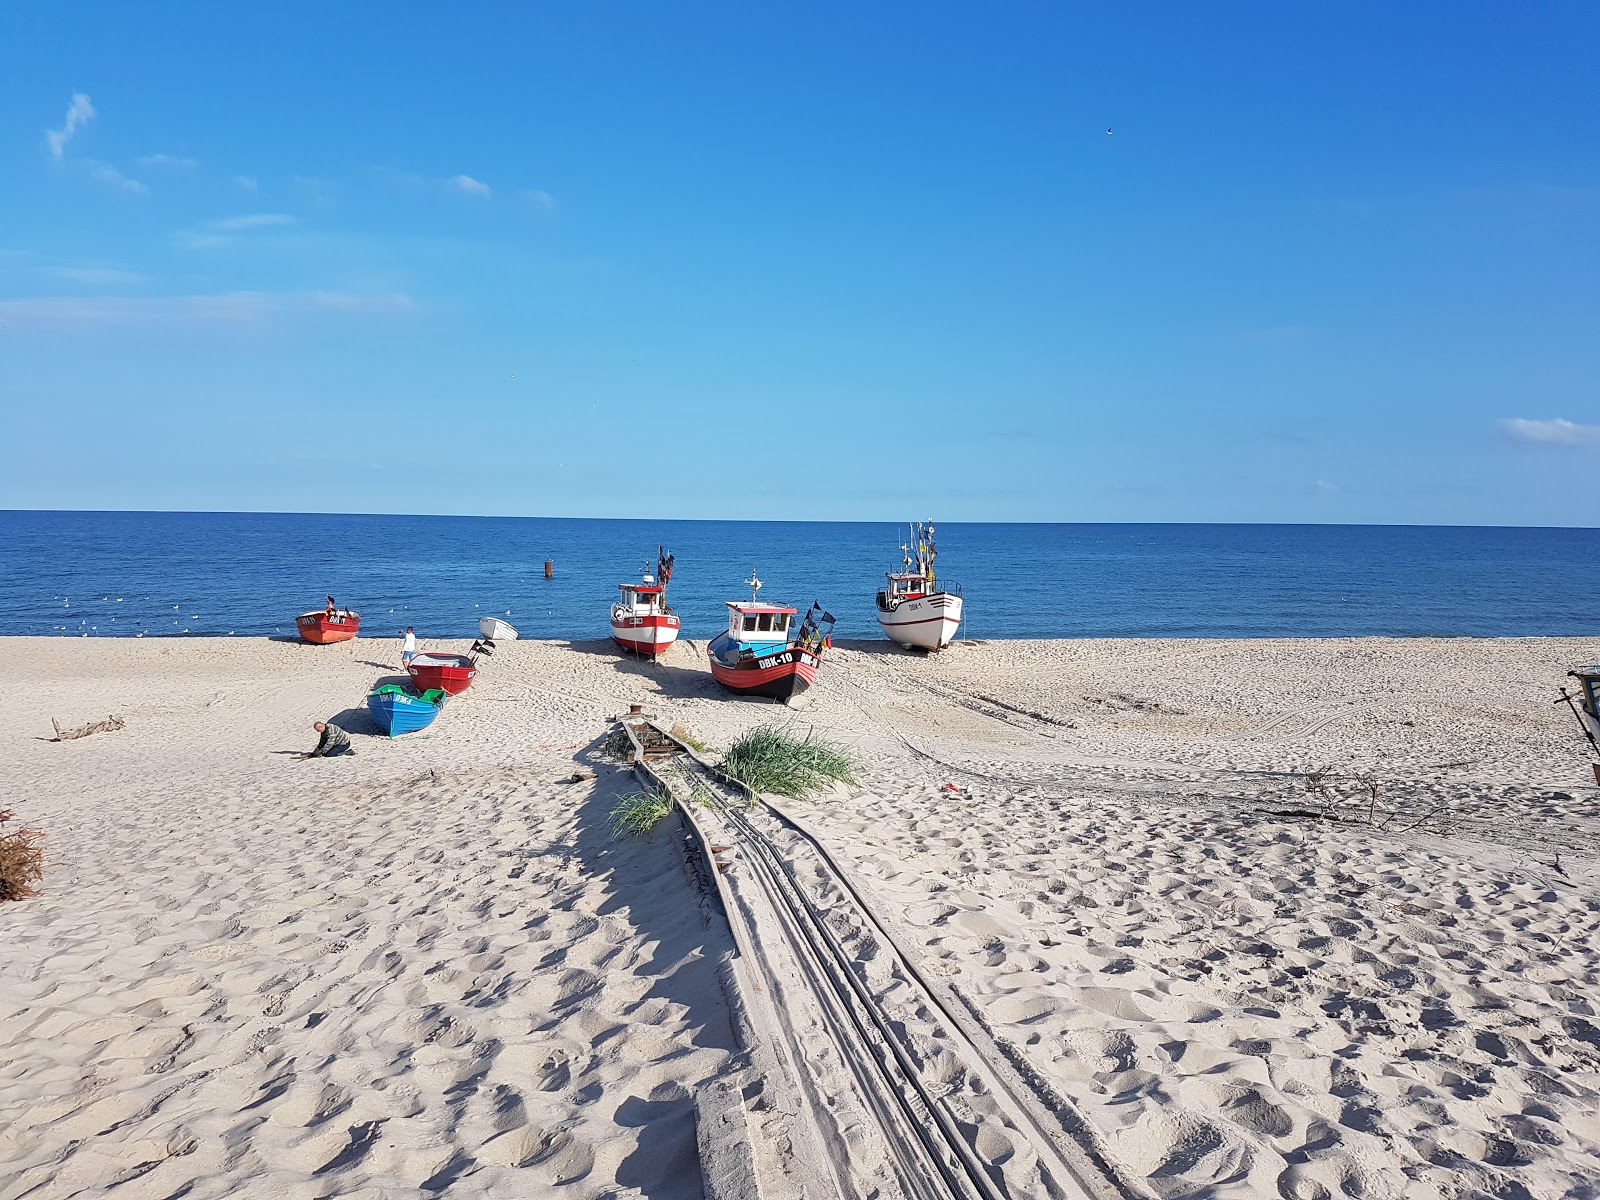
[269,512]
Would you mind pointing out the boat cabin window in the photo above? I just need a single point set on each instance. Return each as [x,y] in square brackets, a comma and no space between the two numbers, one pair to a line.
[750,623]
[764,623]
[780,622]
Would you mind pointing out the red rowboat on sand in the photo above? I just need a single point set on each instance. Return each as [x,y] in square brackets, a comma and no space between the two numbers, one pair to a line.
[323,627]
[452,672]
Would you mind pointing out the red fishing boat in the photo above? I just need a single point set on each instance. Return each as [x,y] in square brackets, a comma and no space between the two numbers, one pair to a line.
[642,621]
[758,655]
[453,673]
[328,625]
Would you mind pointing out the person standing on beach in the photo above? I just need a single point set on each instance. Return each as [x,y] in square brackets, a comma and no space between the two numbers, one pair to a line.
[408,648]
[334,741]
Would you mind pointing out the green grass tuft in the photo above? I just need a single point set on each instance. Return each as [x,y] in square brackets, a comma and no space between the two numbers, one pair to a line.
[768,759]
[637,813]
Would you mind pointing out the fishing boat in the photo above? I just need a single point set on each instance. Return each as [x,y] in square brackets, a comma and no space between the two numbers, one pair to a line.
[642,621]
[761,654]
[913,608]
[450,673]
[496,630]
[328,625]
[396,709]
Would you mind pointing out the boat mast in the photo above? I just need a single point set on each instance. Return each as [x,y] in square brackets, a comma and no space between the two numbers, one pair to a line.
[755,586]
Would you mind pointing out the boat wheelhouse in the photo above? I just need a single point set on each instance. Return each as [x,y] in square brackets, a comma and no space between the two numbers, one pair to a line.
[913,608]
[763,653]
[642,621]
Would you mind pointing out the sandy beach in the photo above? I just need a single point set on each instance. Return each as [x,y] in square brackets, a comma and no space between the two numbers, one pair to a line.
[429,968]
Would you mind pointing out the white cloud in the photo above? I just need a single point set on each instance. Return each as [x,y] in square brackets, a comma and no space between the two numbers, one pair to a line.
[1555,432]
[175,161]
[543,201]
[473,187]
[1325,487]
[251,221]
[96,276]
[106,173]
[78,112]
[216,234]
[66,314]
[247,182]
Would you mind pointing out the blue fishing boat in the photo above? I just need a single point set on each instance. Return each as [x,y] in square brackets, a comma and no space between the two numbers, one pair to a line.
[397,709]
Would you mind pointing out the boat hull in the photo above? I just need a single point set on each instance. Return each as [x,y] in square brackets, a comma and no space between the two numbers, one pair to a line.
[651,635]
[396,712]
[784,673]
[320,629]
[496,630]
[926,623]
[450,673]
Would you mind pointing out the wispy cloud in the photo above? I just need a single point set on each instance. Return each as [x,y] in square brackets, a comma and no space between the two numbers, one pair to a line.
[469,185]
[251,221]
[78,113]
[540,201]
[176,162]
[67,314]
[107,174]
[95,276]
[216,234]
[1554,432]
[247,182]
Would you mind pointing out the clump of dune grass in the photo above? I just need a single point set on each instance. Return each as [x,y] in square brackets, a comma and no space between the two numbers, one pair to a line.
[687,738]
[769,759]
[21,860]
[637,813]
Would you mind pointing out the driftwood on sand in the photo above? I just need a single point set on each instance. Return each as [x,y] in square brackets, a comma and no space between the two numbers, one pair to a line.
[67,735]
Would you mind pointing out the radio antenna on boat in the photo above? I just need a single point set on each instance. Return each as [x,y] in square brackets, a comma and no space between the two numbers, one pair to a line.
[754,585]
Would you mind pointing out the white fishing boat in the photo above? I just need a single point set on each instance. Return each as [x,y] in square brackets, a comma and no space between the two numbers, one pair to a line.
[496,630]
[642,621]
[914,609]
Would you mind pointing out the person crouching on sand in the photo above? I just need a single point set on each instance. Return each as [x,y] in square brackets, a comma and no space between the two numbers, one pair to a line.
[334,742]
[408,648]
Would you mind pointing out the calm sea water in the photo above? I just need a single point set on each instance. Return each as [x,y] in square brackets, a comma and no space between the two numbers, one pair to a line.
[121,573]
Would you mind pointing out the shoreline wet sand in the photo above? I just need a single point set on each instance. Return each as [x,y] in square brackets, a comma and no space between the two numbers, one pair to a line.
[430,965]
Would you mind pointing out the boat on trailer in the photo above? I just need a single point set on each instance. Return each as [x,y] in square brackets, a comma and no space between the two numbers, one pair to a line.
[762,653]
[397,709]
[450,673]
[328,625]
[642,621]
[914,609]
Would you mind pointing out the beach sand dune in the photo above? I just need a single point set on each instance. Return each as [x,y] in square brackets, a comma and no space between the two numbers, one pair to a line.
[430,968]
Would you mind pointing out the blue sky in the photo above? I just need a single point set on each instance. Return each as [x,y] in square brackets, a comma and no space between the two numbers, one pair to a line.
[1332,262]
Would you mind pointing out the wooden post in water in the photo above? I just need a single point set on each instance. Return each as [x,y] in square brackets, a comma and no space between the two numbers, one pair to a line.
[549,569]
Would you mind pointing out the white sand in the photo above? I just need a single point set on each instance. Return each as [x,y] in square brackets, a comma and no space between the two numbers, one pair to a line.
[429,964]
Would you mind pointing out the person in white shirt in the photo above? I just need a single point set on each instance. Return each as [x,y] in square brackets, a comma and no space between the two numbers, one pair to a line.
[408,648]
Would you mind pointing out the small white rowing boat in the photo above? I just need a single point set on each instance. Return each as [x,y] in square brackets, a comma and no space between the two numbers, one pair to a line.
[497,630]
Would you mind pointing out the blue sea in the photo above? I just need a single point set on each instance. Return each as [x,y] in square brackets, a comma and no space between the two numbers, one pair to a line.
[248,574]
